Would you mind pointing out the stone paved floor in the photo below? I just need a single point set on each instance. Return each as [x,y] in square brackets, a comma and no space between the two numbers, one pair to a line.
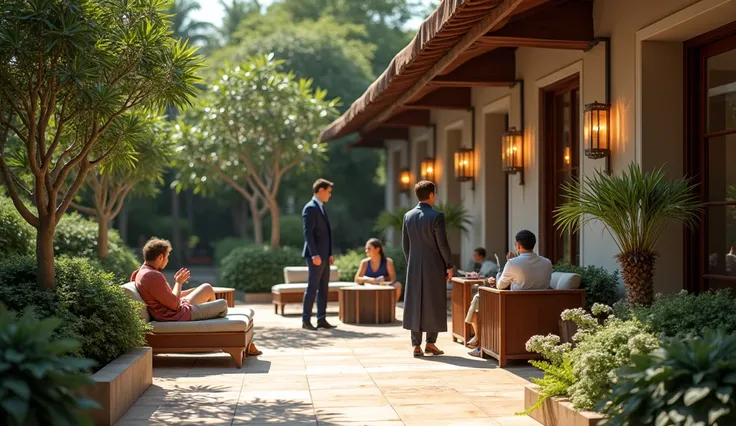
[354,375]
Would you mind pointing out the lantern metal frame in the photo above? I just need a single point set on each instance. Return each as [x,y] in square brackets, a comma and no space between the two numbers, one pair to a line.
[512,152]
[428,168]
[405,180]
[592,142]
[464,164]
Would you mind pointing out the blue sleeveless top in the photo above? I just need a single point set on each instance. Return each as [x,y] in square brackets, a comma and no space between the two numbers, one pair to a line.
[382,269]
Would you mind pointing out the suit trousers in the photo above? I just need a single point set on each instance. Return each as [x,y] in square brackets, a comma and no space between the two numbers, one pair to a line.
[416,337]
[318,287]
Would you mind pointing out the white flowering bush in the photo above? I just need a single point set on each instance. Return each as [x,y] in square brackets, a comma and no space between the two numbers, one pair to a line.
[584,373]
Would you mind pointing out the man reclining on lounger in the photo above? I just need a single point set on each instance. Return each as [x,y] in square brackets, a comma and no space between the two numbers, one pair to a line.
[165,304]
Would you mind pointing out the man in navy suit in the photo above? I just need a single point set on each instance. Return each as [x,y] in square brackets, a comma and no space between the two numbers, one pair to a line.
[318,254]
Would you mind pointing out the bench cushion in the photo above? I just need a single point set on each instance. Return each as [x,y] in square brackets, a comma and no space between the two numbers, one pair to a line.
[232,322]
[565,281]
[132,292]
[301,287]
[300,274]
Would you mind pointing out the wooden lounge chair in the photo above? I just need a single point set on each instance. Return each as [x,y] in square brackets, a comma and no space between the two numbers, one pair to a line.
[507,319]
[231,334]
[295,284]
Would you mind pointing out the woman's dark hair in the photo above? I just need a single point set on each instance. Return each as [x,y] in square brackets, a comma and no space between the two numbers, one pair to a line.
[376,243]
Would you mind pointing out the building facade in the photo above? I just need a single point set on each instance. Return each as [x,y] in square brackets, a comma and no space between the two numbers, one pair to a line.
[497,90]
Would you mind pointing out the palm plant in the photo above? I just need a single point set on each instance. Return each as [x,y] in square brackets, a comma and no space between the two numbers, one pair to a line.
[634,208]
[236,11]
[183,27]
[456,217]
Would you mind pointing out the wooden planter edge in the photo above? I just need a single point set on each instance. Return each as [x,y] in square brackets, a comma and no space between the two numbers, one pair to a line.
[119,384]
[558,411]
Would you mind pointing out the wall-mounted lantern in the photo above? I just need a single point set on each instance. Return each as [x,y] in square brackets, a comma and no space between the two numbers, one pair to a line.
[405,180]
[511,155]
[464,164]
[596,130]
[428,169]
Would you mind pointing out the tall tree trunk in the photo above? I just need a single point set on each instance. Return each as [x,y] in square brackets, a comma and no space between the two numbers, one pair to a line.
[257,222]
[175,228]
[103,249]
[123,222]
[275,227]
[45,253]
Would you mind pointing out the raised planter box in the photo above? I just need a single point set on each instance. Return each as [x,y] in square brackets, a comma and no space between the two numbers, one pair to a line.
[120,383]
[557,411]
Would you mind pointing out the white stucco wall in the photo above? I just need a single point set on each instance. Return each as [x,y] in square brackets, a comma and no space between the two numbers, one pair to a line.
[646,85]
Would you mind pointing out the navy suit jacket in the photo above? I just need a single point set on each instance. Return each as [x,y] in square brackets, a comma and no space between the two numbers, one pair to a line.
[317,232]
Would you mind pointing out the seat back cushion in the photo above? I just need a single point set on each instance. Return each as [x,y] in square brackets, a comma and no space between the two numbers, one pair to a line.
[300,274]
[565,281]
[132,292]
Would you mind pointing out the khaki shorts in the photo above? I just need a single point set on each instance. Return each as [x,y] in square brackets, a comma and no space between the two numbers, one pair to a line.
[209,310]
[474,305]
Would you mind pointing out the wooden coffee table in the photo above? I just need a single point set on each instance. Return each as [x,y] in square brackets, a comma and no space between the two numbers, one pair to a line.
[367,304]
[226,294]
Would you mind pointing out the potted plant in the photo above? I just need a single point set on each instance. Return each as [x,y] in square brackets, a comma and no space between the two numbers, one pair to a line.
[634,208]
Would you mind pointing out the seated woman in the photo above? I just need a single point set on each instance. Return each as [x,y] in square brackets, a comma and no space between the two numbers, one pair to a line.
[377,268]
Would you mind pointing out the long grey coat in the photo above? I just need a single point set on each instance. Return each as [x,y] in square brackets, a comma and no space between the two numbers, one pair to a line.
[428,257]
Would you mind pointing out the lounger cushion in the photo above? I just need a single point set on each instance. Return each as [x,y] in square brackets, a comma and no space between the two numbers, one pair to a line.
[300,274]
[301,287]
[565,281]
[232,322]
[132,292]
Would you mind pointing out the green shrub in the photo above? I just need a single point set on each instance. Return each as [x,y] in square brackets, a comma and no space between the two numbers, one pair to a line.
[255,269]
[17,237]
[76,236]
[690,382]
[94,308]
[40,384]
[683,314]
[224,246]
[348,264]
[397,255]
[599,284]
[599,350]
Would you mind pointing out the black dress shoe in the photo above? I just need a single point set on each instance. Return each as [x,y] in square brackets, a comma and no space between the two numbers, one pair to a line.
[324,324]
[308,326]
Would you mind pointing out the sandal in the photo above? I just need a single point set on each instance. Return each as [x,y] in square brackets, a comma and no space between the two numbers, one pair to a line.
[472,343]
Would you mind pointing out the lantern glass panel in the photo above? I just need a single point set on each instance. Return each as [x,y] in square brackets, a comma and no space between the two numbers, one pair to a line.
[596,130]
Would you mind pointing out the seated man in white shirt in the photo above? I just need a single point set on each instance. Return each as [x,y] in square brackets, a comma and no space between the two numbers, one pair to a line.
[527,271]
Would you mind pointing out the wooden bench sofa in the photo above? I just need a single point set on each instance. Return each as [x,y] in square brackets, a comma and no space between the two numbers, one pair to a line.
[507,319]
[295,284]
[231,334]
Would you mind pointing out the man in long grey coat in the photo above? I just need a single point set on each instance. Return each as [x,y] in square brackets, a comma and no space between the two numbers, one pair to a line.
[429,267]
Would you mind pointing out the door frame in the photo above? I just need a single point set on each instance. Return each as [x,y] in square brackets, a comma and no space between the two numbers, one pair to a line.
[696,52]
[547,194]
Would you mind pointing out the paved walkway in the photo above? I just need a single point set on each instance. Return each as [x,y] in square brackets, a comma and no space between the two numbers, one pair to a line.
[354,375]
